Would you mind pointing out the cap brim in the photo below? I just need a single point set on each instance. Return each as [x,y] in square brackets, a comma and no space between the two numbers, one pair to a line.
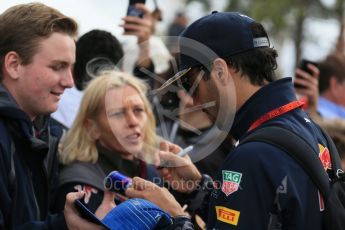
[173,79]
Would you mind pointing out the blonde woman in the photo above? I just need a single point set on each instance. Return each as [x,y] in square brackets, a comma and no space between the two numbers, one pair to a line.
[113,130]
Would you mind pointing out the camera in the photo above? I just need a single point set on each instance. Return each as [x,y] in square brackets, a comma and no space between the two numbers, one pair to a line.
[304,66]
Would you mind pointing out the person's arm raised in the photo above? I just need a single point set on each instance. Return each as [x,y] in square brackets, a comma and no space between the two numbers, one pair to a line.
[310,87]
[142,29]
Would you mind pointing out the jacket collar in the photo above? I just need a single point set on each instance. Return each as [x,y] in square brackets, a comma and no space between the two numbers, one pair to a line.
[9,109]
[267,98]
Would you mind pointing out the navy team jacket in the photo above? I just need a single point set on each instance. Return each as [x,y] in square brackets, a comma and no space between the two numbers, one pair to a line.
[260,186]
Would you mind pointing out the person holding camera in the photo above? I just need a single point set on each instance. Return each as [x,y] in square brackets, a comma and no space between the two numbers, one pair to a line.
[149,57]
[306,83]
[322,84]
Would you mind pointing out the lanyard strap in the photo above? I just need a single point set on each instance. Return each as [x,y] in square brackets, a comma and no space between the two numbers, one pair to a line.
[276,112]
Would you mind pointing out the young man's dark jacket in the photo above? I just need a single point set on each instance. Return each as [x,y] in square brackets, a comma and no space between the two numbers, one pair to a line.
[28,169]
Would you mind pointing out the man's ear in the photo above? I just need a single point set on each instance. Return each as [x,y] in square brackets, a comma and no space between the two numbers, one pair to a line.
[92,128]
[12,63]
[220,69]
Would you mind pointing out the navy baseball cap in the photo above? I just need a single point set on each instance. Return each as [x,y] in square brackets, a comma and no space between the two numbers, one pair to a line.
[224,34]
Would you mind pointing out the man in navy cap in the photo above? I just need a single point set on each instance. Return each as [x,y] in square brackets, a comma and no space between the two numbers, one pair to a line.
[259,186]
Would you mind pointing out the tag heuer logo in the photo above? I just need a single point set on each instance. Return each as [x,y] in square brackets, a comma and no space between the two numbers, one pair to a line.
[231,181]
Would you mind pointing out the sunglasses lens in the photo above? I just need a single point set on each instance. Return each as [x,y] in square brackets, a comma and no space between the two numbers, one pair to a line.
[185,83]
[191,80]
[185,80]
[174,80]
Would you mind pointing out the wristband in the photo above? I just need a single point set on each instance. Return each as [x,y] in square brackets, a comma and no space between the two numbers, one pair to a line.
[206,183]
[203,190]
[181,222]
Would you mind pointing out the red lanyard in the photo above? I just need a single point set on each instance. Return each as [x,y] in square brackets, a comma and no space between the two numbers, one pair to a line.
[276,112]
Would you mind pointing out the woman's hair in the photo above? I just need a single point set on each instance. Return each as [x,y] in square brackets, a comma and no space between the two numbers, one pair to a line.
[79,143]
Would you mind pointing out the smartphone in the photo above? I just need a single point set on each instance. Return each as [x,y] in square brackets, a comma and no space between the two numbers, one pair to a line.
[88,215]
[304,66]
[132,11]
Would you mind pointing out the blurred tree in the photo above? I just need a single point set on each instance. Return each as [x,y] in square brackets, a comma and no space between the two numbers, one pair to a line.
[340,47]
[285,18]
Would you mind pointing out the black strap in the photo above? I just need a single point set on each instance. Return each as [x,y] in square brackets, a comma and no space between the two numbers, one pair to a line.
[335,157]
[300,150]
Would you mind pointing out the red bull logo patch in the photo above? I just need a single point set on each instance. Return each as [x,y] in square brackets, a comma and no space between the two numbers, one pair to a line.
[231,181]
[227,215]
[325,157]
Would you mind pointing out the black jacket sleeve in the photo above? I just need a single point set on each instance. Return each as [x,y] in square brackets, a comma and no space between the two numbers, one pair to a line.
[8,217]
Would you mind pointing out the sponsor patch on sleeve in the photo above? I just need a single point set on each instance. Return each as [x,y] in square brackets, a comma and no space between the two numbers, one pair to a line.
[325,157]
[231,181]
[227,215]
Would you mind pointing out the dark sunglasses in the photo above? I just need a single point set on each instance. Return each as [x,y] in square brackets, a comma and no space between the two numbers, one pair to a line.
[185,79]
